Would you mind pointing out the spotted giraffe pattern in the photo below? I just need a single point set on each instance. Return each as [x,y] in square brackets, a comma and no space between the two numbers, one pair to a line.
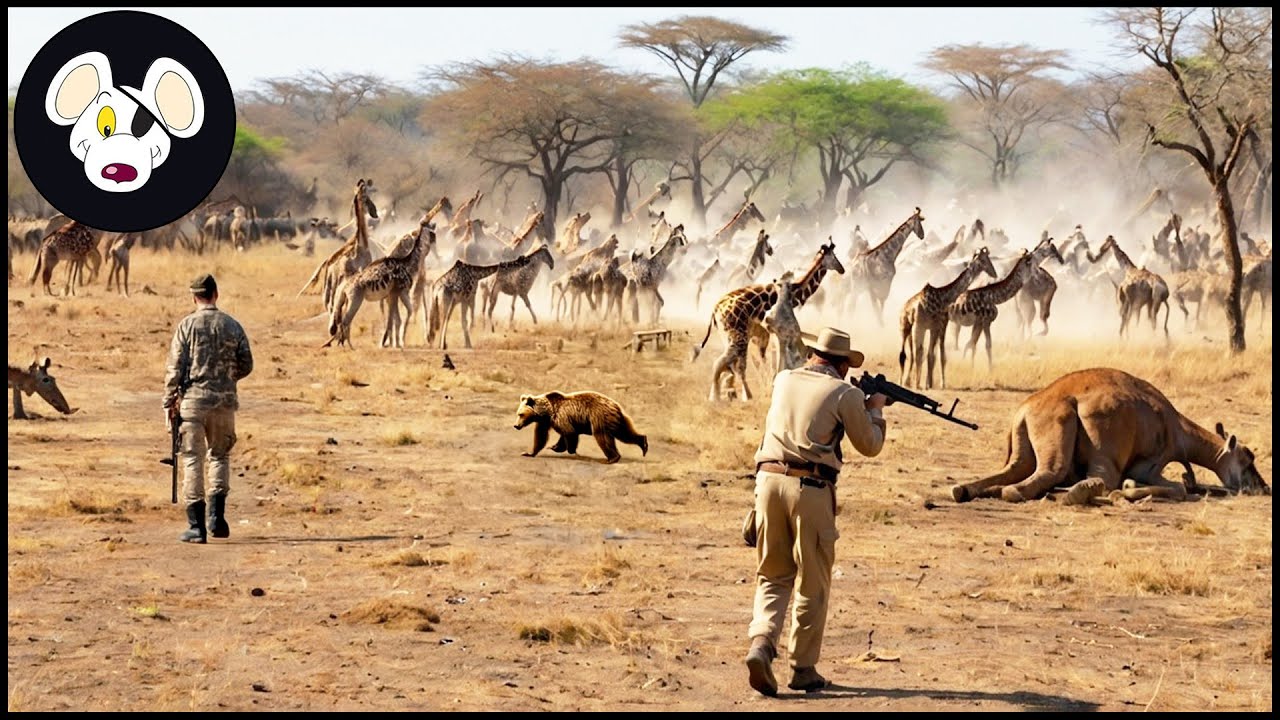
[978,307]
[516,282]
[387,279]
[354,253]
[926,313]
[1140,288]
[872,271]
[73,242]
[457,288]
[738,311]
[647,274]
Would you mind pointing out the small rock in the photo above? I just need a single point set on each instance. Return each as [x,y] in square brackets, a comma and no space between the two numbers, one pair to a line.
[260,687]
[1008,543]
[257,592]
[331,441]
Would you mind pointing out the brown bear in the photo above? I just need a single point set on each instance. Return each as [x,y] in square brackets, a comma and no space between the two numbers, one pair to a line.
[574,414]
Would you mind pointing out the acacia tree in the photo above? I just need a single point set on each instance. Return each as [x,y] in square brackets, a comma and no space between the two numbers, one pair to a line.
[1215,72]
[549,121]
[647,125]
[859,123]
[1007,87]
[700,49]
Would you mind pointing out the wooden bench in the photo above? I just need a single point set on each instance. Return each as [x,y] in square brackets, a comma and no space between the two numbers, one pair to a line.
[659,339]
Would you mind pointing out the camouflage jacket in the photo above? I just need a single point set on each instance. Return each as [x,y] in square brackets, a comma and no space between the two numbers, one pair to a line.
[208,355]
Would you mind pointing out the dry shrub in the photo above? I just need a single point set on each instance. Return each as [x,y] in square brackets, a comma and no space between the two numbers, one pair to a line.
[411,558]
[393,614]
[1161,579]
[300,474]
[574,630]
[399,437]
[609,565]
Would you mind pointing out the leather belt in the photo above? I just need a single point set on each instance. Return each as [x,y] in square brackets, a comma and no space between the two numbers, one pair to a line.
[818,475]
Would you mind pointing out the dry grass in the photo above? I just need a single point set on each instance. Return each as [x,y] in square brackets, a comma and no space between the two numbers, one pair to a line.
[399,437]
[578,630]
[392,614]
[410,558]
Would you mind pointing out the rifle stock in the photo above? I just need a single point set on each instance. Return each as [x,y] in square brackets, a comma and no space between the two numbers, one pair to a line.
[871,384]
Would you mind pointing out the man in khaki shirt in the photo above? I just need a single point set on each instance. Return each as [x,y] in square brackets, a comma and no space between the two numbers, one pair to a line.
[812,408]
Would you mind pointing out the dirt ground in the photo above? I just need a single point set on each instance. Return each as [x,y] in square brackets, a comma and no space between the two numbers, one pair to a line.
[391,549]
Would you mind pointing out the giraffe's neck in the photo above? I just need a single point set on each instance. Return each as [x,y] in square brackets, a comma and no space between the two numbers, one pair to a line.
[662,258]
[1196,445]
[21,379]
[1122,258]
[757,257]
[1008,286]
[889,249]
[362,228]
[942,252]
[808,285]
[949,292]
[434,211]
[520,239]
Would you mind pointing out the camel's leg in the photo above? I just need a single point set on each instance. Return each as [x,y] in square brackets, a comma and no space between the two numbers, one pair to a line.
[1020,464]
[1101,476]
[1054,439]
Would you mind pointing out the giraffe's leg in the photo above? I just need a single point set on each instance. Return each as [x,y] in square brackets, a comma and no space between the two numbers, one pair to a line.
[938,340]
[446,312]
[986,332]
[512,323]
[972,345]
[740,369]
[532,314]
[466,315]
[917,350]
[1045,304]
[720,367]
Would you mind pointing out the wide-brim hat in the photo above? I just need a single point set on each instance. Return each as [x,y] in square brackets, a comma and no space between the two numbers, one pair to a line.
[833,342]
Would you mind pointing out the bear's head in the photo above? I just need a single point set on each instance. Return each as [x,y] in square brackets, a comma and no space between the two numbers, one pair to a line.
[528,410]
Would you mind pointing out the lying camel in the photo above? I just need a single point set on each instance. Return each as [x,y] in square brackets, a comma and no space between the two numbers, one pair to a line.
[1093,429]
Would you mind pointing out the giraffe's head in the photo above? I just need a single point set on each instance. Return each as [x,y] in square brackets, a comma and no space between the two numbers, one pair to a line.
[446,207]
[611,245]
[982,260]
[827,257]
[1108,244]
[677,237]
[753,211]
[47,387]
[1045,249]
[543,254]
[915,224]
[762,242]
[365,188]
[1235,467]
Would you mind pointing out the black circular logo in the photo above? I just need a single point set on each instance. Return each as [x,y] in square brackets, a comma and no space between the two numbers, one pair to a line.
[124,121]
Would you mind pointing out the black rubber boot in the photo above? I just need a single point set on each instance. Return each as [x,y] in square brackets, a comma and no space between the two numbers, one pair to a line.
[195,518]
[218,526]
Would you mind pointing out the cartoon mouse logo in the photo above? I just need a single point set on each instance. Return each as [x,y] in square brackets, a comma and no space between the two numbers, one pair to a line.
[122,134]
[145,109]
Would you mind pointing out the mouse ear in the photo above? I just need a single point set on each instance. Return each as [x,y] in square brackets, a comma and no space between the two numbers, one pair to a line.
[172,91]
[75,86]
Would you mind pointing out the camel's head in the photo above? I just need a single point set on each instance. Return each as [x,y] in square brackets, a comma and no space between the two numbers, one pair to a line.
[1235,466]
[47,387]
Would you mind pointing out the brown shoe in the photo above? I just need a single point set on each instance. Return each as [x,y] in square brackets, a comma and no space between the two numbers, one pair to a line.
[808,680]
[760,666]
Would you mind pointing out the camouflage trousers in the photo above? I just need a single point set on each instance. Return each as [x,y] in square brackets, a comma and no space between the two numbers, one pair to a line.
[208,434]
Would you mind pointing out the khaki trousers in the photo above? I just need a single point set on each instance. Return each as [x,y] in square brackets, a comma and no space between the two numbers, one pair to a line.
[207,434]
[795,550]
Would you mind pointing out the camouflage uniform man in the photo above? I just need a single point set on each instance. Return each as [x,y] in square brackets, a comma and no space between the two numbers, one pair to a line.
[208,355]
[812,408]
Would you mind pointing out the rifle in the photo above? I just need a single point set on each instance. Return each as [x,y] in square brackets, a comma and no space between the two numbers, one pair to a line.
[871,384]
[174,422]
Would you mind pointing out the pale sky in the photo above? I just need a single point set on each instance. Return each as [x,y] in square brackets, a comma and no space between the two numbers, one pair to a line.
[255,43]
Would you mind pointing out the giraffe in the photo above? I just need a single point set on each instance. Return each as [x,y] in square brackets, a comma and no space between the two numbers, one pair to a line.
[1257,281]
[980,306]
[872,271]
[36,379]
[1200,287]
[118,262]
[663,189]
[354,253]
[926,312]
[73,242]
[571,235]
[738,311]
[1039,289]
[781,323]
[743,274]
[459,223]
[457,289]
[739,221]
[516,282]
[610,284]
[649,272]
[578,280]
[389,278]
[1139,288]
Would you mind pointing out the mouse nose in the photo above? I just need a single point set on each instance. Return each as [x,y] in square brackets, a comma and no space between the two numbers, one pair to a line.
[120,172]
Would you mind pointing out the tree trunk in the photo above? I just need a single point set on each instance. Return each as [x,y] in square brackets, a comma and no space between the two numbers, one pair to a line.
[1231,251]
[622,177]
[695,176]
[831,182]
[853,198]
[551,189]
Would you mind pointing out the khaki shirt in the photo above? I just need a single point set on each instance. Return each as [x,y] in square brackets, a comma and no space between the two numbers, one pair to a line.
[208,355]
[811,410]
